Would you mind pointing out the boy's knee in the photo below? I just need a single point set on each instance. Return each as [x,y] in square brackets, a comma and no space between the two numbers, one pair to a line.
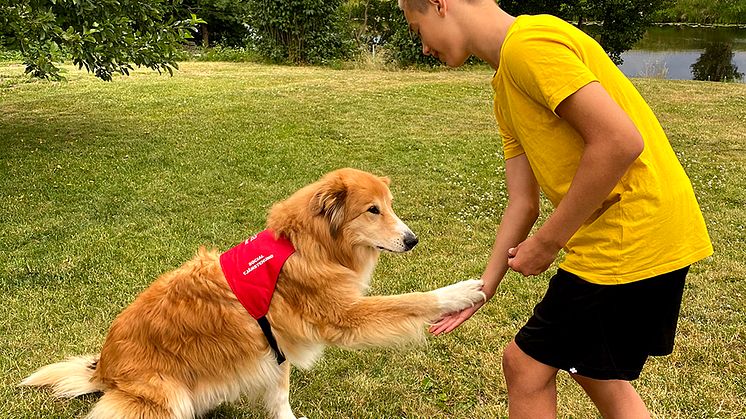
[512,361]
[523,371]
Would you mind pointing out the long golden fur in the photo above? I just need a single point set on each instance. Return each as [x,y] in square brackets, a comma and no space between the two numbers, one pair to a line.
[186,344]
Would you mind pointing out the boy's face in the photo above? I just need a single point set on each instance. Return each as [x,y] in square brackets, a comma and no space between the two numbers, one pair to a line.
[439,32]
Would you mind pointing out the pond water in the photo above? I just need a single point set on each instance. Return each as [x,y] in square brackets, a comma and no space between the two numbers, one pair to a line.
[689,53]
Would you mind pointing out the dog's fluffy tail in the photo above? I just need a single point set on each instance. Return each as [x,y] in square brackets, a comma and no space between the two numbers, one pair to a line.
[69,378]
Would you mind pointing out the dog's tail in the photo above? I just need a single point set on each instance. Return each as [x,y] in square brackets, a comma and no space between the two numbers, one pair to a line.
[70,378]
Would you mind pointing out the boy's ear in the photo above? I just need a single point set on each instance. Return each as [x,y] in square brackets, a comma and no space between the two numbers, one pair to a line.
[441,6]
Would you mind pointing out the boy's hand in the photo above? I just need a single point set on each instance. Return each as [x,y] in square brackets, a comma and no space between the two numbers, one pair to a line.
[454,320]
[532,256]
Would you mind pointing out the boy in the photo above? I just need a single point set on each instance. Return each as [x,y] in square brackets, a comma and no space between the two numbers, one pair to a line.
[575,128]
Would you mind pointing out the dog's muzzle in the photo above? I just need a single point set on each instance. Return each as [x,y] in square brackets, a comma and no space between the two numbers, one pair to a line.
[410,241]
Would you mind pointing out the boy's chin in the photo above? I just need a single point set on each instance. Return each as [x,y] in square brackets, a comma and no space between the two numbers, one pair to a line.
[454,62]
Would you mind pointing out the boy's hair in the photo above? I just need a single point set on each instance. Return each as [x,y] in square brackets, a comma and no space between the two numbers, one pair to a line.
[420,6]
[414,5]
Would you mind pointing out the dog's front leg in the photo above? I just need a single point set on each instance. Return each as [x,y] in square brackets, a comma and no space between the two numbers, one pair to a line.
[277,397]
[398,319]
[458,296]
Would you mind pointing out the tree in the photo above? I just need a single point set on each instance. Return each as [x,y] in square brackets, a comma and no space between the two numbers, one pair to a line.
[716,64]
[616,24]
[623,22]
[104,36]
[225,21]
[562,9]
[299,31]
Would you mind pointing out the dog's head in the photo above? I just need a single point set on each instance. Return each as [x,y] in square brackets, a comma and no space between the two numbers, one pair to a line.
[356,206]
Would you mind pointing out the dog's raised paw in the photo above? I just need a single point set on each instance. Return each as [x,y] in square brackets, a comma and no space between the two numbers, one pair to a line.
[460,295]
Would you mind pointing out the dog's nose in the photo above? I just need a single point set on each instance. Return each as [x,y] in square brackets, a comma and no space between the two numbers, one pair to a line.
[410,240]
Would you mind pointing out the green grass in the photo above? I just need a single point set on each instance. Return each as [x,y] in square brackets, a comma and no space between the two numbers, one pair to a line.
[107,185]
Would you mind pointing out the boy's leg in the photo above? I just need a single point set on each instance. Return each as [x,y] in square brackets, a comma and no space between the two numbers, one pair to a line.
[615,399]
[532,390]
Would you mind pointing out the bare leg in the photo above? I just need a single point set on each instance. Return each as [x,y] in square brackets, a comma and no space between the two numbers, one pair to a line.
[532,390]
[615,399]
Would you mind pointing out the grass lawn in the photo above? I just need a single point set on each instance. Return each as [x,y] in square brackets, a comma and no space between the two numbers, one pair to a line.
[107,185]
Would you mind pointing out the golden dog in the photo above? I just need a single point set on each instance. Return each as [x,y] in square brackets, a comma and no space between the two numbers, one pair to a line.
[186,344]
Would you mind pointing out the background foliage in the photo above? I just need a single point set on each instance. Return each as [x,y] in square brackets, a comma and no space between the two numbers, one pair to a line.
[299,31]
[380,23]
[111,36]
[702,11]
[716,64]
[104,36]
[224,21]
[616,24]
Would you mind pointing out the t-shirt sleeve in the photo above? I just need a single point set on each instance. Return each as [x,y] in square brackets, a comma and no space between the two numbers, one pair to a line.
[545,65]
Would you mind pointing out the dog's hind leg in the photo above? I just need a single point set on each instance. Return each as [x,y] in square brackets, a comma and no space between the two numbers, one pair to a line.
[118,404]
[156,399]
[277,395]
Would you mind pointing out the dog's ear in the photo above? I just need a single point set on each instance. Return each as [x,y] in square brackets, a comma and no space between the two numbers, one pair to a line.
[329,201]
[385,180]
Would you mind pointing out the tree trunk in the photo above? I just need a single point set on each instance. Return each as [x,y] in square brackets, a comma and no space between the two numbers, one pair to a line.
[364,27]
[205,35]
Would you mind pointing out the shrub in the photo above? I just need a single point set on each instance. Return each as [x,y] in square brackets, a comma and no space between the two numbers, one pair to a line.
[299,31]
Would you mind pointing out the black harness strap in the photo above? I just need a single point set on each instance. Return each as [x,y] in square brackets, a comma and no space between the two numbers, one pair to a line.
[267,330]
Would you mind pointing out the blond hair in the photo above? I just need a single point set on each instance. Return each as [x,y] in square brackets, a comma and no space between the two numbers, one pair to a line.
[420,5]
[414,5]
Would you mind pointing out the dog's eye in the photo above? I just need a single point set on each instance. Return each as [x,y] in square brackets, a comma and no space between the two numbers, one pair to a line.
[374,210]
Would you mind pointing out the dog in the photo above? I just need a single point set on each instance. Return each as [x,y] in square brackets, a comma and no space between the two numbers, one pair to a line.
[187,343]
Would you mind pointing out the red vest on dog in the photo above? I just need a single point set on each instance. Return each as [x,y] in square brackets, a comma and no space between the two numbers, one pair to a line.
[252,268]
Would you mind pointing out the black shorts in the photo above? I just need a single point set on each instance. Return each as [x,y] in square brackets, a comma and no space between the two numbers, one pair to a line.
[605,332]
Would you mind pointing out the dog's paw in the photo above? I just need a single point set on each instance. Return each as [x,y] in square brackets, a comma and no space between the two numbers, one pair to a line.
[460,295]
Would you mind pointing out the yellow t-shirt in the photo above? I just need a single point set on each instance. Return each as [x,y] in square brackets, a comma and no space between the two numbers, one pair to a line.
[650,224]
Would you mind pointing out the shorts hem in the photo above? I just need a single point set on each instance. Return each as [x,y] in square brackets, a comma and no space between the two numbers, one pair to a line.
[625,375]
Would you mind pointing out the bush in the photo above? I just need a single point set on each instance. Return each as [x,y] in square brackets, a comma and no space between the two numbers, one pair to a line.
[703,11]
[8,55]
[299,31]
[406,48]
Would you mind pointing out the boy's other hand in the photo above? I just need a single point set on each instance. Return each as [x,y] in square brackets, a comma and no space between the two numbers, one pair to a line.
[532,256]
[448,323]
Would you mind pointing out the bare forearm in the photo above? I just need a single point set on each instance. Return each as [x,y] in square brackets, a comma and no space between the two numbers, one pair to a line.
[520,215]
[515,225]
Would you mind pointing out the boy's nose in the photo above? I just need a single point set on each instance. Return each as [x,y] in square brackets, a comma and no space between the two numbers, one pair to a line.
[425,49]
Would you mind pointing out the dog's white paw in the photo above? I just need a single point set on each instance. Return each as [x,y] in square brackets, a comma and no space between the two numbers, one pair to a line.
[460,295]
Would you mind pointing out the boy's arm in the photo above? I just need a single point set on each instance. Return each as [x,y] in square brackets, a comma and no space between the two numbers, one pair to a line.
[612,143]
[520,215]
